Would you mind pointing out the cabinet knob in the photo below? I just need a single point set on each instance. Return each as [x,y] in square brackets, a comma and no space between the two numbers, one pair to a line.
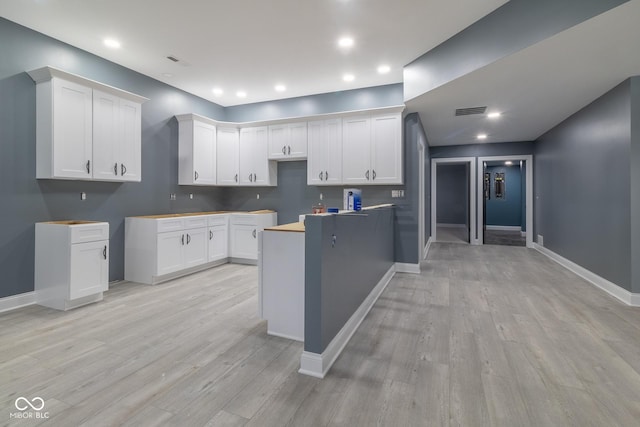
[195,175]
[88,166]
[188,239]
[250,177]
[367,175]
[326,175]
[236,178]
[210,235]
[289,150]
[182,240]
[254,233]
[284,149]
[115,169]
[320,175]
[374,174]
[255,178]
[104,252]
[123,169]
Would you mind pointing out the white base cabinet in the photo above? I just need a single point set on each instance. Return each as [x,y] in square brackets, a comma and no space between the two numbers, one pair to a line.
[71,263]
[244,231]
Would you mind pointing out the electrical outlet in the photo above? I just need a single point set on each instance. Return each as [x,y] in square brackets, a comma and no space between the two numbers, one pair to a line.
[321,196]
[258,196]
[397,193]
[191,196]
[83,196]
[172,196]
[540,240]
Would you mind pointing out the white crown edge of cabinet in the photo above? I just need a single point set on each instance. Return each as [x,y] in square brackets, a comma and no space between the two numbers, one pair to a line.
[46,73]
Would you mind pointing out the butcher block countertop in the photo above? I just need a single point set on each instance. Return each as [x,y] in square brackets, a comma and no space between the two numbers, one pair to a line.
[297,227]
[177,215]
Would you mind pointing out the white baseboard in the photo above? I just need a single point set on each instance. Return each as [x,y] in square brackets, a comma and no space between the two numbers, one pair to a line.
[17,301]
[403,267]
[427,247]
[317,365]
[611,288]
[445,225]
[504,228]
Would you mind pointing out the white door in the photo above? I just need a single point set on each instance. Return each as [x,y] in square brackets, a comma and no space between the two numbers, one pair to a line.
[195,247]
[297,146]
[106,136]
[204,154]
[317,153]
[247,145]
[356,157]
[130,141]
[386,149]
[244,241]
[227,155]
[72,130]
[333,141]
[89,269]
[278,141]
[170,252]
[259,157]
[218,242]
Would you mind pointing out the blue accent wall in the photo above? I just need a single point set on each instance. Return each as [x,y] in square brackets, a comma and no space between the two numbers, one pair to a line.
[452,182]
[508,210]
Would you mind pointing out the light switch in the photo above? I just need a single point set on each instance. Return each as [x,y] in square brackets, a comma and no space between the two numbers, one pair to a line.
[83,196]
[191,195]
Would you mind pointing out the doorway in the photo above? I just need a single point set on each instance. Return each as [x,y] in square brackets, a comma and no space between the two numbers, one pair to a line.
[453,201]
[505,200]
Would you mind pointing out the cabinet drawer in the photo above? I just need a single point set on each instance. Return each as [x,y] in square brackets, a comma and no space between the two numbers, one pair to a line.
[244,220]
[81,233]
[218,220]
[169,224]
[199,221]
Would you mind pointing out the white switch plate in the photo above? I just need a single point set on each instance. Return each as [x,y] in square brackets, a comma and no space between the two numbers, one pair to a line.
[172,196]
[83,196]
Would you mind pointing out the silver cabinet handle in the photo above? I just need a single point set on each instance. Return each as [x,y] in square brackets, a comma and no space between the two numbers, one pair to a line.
[210,235]
[254,233]
[183,239]
[255,178]
[123,169]
[236,178]
[289,149]
[104,252]
[367,175]
[374,174]
[195,174]
[88,166]
[188,239]
[320,175]
[250,177]
[326,175]
[115,169]
[284,149]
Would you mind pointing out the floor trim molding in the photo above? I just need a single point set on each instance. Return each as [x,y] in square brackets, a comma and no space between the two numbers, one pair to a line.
[317,365]
[16,301]
[504,227]
[446,225]
[611,288]
[404,267]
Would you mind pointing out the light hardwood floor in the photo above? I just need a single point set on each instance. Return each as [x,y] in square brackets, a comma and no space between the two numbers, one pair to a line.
[484,336]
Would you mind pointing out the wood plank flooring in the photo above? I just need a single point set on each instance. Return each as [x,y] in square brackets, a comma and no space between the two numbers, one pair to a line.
[485,336]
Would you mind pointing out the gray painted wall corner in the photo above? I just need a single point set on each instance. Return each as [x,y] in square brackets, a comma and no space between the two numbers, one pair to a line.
[635,184]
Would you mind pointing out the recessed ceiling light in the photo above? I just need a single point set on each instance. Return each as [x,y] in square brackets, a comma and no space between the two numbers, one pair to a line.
[494,115]
[217,91]
[482,136]
[241,94]
[348,77]
[508,163]
[112,43]
[384,69]
[345,42]
[280,88]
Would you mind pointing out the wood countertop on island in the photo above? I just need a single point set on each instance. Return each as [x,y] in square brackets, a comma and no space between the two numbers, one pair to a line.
[297,227]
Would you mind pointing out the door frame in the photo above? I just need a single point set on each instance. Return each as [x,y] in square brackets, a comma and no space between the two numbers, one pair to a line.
[422,244]
[473,239]
[528,159]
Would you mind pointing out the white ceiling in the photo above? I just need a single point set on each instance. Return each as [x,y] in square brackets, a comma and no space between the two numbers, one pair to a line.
[251,44]
[538,87]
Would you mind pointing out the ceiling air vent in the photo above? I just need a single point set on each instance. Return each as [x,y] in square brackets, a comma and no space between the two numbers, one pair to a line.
[173,58]
[470,110]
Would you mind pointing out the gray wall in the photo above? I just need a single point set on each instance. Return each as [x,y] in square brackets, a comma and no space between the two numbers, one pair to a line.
[635,183]
[508,210]
[582,187]
[26,200]
[453,198]
[510,28]
[483,150]
[338,279]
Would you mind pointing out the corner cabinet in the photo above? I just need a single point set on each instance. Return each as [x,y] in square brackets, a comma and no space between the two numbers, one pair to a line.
[85,130]
[227,156]
[196,151]
[372,149]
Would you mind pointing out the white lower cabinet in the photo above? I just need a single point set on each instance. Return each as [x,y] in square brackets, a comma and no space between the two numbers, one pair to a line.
[195,247]
[218,237]
[244,231]
[169,252]
[71,263]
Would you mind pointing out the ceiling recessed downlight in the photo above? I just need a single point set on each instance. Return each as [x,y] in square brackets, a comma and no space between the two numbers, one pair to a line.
[217,91]
[280,88]
[384,69]
[348,77]
[494,115]
[508,163]
[482,136]
[112,43]
[345,42]
[241,94]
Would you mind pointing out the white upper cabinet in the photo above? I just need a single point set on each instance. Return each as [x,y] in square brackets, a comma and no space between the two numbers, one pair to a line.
[372,149]
[227,156]
[255,168]
[324,163]
[196,151]
[288,141]
[85,129]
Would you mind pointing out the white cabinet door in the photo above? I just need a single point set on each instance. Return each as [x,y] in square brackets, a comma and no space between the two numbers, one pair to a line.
[278,141]
[356,155]
[386,149]
[72,130]
[247,163]
[297,146]
[195,247]
[89,270]
[130,146]
[218,242]
[169,252]
[244,241]
[204,154]
[227,156]
[317,153]
[333,140]
[106,136]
